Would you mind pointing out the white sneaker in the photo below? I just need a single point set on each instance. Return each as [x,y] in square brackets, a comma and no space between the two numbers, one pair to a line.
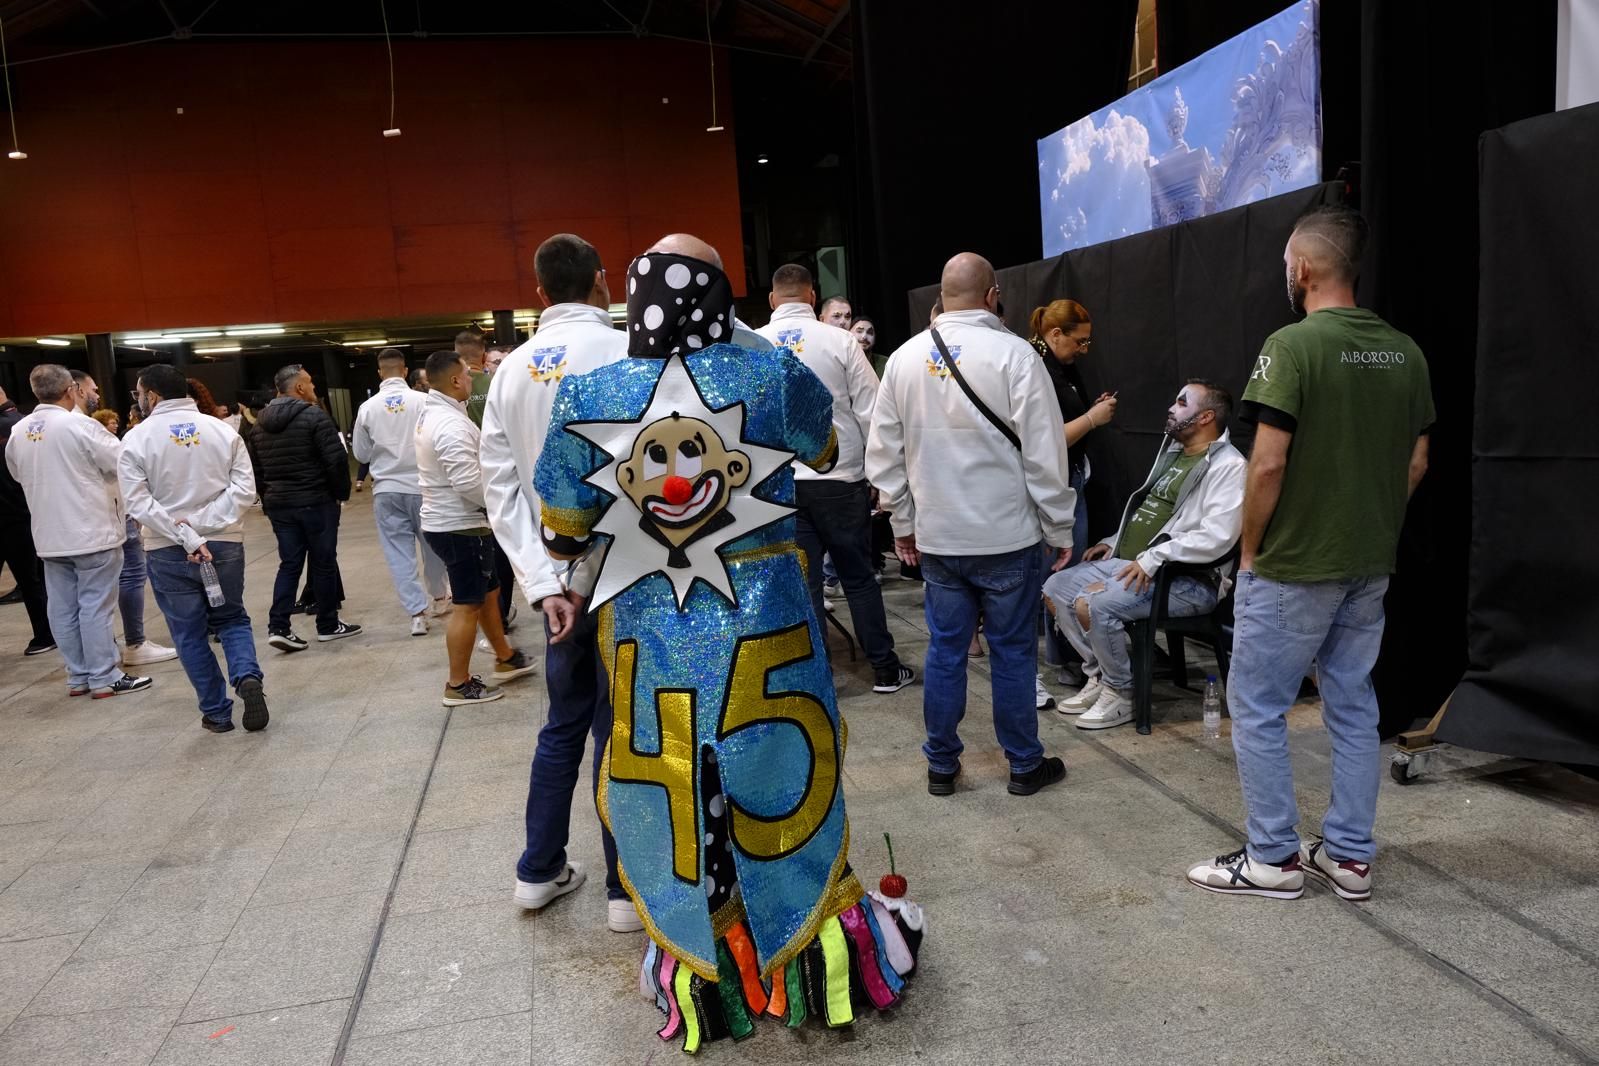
[442,606]
[535,896]
[1111,709]
[147,653]
[484,645]
[1085,697]
[1044,699]
[832,590]
[1350,879]
[622,917]
[1239,875]
[419,624]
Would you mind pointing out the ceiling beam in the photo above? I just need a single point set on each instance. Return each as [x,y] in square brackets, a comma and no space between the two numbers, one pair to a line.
[782,16]
[840,16]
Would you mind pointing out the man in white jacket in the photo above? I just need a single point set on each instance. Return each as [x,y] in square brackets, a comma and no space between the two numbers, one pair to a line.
[1189,510]
[835,508]
[67,467]
[457,528]
[975,496]
[188,479]
[575,335]
[385,438]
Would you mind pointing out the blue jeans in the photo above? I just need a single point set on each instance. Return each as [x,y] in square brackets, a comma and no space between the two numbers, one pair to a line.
[1280,630]
[1056,650]
[1103,645]
[399,520]
[1005,587]
[180,593]
[130,587]
[836,517]
[579,706]
[303,531]
[80,591]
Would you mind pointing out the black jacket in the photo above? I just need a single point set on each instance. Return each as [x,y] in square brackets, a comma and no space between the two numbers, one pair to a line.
[299,459]
[13,504]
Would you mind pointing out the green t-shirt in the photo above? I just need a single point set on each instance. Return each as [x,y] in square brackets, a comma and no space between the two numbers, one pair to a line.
[479,397]
[1355,393]
[1156,509]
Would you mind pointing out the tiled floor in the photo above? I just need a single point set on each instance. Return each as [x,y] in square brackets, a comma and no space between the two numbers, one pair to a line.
[337,888]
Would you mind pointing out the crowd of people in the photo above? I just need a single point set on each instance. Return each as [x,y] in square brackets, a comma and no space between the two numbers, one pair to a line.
[682,514]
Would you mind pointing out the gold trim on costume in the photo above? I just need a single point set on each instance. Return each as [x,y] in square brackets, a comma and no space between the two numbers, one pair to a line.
[574,522]
[829,454]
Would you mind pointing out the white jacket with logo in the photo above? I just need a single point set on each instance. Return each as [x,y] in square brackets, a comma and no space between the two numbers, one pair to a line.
[447,467]
[944,471]
[572,338]
[835,356]
[385,436]
[179,463]
[66,463]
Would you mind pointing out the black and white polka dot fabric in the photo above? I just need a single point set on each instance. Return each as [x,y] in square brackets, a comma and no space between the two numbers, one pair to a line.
[676,306]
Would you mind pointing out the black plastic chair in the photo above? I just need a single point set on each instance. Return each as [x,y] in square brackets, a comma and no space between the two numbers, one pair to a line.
[1214,629]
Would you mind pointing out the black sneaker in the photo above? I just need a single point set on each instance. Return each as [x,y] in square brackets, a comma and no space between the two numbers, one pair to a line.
[287,640]
[893,682]
[255,708]
[120,687]
[211,726]
[939,784]
[346,629]
[518,665]
[472,690]
[14,596]
[1051,770]
[39,647]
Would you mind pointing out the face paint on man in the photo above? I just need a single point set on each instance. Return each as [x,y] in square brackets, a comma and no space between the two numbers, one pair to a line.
[680,476]
[1183,417]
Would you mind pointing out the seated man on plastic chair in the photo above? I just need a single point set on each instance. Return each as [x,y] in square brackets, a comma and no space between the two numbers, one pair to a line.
[1189,510]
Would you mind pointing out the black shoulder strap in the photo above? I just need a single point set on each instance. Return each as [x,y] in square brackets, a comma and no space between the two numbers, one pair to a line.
[954,372]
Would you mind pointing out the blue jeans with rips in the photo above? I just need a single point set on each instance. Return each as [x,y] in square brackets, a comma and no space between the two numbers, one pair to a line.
[1005,587]
[180,593]
[1103,645]
[1280,630]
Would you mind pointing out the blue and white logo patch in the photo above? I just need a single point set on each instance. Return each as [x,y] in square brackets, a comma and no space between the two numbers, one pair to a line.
[394,404]
[184,434]
[793,339]
[935,360]
[547,364]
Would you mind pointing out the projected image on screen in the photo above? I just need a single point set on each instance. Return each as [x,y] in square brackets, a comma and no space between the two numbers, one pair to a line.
[1240,123]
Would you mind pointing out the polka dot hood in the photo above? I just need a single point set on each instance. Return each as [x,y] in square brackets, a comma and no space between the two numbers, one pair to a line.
[676,306]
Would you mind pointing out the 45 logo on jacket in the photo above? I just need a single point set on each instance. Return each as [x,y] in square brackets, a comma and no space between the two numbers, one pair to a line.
[935,360]
[185,434]
[793,339]
[394,405]
[547,364]
[34,430]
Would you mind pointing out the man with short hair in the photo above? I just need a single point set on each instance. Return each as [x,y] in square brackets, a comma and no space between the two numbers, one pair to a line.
[469,345]
[419,380]
[67,467]
[575,336]
[494,357]
[973,501]
[835,508]
[836,311]
[385,438]
[1189,510]
[303,474]
[1343,408]
[16,542]
[187,479]
[455,523]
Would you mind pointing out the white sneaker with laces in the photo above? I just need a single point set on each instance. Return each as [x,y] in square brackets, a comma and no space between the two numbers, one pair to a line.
[534,896]
[419,624]
[1350,879]
[442,606]
[1043,698]
[622,917]
[1085,698]
[1111,709]
[1237,874]
[147,653]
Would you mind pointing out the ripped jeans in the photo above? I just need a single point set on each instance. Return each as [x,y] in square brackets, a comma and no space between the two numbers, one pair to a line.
[1103,645]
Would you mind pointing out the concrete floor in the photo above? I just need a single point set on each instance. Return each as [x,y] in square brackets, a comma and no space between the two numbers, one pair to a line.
[337,889]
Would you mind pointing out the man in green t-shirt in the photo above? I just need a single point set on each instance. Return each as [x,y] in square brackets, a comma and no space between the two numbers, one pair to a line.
[1342,406]
[470,346]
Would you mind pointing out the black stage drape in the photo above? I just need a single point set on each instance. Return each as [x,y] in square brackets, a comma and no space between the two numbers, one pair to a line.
[1531,687]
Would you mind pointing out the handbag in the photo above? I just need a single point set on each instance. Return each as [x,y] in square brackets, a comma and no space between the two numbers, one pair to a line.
[983,409]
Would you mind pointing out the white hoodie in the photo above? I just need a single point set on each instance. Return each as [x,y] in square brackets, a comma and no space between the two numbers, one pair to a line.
[944,471]
[385,436]
[447,467]
[572,338]
[179,463]
[66,463]
[835,356]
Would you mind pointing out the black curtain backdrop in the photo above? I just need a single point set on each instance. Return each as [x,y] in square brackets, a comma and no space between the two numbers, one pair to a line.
[951,100]
[1531,687]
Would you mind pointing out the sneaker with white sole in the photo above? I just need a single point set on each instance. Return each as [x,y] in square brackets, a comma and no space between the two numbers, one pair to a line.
[345,629]
[902,676]
[442,606]
[484,645]
[472,690]
[622,917]
[1041,694]
[419,624]
[1236,874]
[1085,698]
[121,686]
[146,653]
[833,590]
[1111,709]
[518,665]
[287,640]
[1351,879]
[533,896]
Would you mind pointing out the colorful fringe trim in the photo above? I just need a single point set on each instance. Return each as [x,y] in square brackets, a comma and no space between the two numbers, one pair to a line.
[858,962]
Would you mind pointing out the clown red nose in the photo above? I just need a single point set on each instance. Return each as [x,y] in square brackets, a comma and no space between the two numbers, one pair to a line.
[677,490]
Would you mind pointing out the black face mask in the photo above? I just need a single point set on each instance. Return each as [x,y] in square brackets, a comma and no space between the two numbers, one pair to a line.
[676,306]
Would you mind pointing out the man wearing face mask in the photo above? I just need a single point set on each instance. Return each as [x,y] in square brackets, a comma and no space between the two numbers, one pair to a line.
[1343,406]
[1189,510]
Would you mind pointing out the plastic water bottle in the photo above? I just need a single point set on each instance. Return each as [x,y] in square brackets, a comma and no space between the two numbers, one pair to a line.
[213,584]
[1212,708]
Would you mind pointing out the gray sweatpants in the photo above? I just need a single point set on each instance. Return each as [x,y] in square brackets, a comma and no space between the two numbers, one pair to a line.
[399,521]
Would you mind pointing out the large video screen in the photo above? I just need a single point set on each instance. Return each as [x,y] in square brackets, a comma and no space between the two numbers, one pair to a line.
[1240,123]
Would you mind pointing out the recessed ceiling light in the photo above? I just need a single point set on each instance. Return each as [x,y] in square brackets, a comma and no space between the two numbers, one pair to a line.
[193,335]
[763,158]
[215,351]
[255,331]
[365,344]
[54,342]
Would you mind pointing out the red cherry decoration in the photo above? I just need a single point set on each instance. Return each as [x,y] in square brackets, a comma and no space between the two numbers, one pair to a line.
[892,885]
[677,490]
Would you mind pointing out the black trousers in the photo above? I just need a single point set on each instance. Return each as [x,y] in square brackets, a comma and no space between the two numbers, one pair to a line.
[16,548]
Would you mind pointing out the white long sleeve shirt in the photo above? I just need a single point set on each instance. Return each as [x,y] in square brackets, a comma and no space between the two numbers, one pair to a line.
[835,356]
[66,464]
[447,467]
[572,338]
[385,436]
[949,477]
[179,463]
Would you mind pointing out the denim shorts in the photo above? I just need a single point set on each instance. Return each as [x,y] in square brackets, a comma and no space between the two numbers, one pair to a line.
[469,560]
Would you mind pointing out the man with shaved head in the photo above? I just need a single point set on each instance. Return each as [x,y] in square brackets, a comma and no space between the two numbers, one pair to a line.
[976,483]
[1343,407]
[688,244]
[836,311]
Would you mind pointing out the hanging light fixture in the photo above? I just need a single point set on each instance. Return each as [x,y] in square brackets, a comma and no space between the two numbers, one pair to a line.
[393,130]
[710,50]
[11,109]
